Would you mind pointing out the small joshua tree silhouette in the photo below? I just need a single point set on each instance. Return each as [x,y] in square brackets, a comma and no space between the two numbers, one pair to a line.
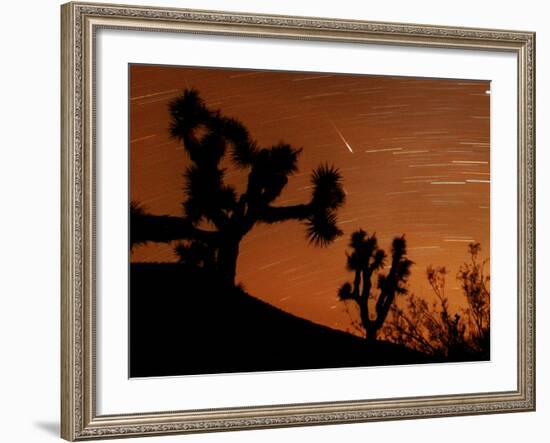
[365,260]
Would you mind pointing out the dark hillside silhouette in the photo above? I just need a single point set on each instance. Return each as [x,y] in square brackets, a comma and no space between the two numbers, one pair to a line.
[207,137]
[181,329]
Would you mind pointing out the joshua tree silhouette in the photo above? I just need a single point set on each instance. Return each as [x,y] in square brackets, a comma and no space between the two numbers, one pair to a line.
[366,259]
[215,217]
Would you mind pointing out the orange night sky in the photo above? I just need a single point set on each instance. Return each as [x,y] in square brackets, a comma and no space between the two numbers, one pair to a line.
[414,155]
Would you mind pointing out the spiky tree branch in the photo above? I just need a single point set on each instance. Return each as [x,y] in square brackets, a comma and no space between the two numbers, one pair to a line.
[145,228]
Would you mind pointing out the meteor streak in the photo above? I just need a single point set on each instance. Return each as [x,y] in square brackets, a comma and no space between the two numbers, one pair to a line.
[342,137]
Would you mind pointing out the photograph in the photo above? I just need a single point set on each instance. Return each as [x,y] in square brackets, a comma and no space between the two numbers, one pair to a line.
[283,220]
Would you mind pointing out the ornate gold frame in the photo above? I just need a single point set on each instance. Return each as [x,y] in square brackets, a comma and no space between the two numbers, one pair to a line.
[79,420]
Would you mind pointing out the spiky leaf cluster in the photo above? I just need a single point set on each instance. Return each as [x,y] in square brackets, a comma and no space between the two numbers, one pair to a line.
[328,196]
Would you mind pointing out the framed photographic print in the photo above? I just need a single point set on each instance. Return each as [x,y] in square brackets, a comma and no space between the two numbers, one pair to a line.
[282,221]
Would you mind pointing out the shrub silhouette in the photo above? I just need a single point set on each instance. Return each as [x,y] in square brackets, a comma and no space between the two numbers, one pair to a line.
[216,217]
[475,286]
[433,329]
[365,260]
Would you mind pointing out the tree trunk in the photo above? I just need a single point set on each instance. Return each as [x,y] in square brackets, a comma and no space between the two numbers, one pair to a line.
[372,331]
[228,254]
[368,324]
